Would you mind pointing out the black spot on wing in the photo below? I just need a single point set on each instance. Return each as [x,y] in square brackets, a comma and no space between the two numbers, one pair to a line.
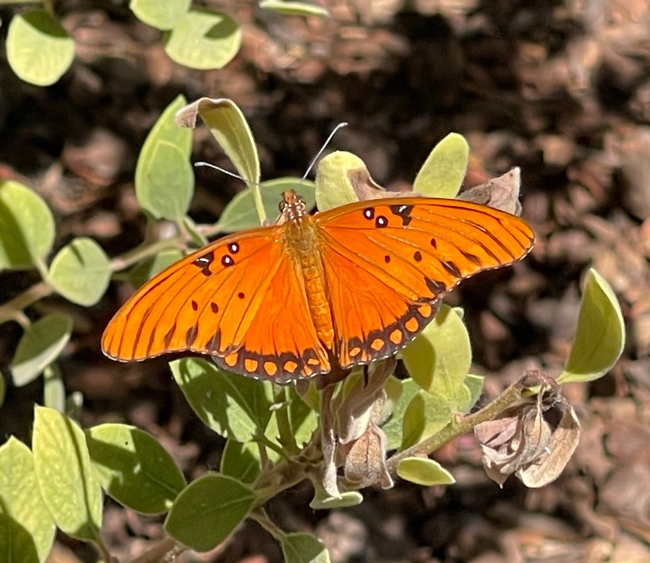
[402,211]
[168,336]
[451,268]
[203,263]
[471,257]
[436,287]
[381,222]
[191,335]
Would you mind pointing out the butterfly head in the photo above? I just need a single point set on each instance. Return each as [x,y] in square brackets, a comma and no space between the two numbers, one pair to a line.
[292,206]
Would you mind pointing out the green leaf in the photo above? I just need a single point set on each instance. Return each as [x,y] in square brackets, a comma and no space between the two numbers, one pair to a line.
[302,418]
[424,471]
[425,416]
[241,460]
[232,405]
[208,510]
[439,358]
[161,15]
[443,171]
[133,468]
[240,213]
[26,227]
[293,8]
[333,179]
[81,272]
[39,346]
[65,475]
[230,128]
[303,548]
[20,500]
[16,543]
[203,40]
[39,50]
[144,271]
[600,335]
[164,179]
[393,426]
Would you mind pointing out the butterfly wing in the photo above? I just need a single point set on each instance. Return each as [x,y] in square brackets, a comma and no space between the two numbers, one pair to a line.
[240,299]
[388,262]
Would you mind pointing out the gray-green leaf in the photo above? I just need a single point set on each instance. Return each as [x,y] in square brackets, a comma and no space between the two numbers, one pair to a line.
[232,405]
[39,346]
[26,226]
[133,468]
[203,40]
[161,15]
[304,548]
[164,179]
[81,272]
[208,510]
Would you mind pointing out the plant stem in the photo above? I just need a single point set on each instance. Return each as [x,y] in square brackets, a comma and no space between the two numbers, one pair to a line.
[465,424]
[13,310]
[261,517]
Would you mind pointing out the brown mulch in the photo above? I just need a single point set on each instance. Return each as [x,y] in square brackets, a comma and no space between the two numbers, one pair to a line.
[560,89]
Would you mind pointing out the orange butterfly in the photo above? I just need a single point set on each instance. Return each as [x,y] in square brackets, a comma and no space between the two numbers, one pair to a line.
[316,292]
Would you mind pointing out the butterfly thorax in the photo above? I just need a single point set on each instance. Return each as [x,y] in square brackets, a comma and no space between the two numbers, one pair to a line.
[303,242]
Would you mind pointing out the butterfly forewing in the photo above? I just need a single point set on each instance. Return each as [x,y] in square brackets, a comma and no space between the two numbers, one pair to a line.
[228,300]
[388,262]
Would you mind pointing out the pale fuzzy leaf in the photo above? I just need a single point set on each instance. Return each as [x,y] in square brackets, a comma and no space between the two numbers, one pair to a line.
[39,50]
[230,128]
[424,471]
[164,179]
[21,499]
[600,334]
[65,475]
[439,358]
[443,171]
[292,8]
[203,40]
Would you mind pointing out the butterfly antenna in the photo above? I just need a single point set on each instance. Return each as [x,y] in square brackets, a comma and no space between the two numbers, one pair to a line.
[223,170]
[327,142]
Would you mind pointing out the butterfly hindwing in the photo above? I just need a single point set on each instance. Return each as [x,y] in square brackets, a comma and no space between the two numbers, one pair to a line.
[388,262]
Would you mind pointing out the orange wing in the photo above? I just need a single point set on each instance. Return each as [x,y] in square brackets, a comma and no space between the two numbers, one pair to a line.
[241,299]
[388,262]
